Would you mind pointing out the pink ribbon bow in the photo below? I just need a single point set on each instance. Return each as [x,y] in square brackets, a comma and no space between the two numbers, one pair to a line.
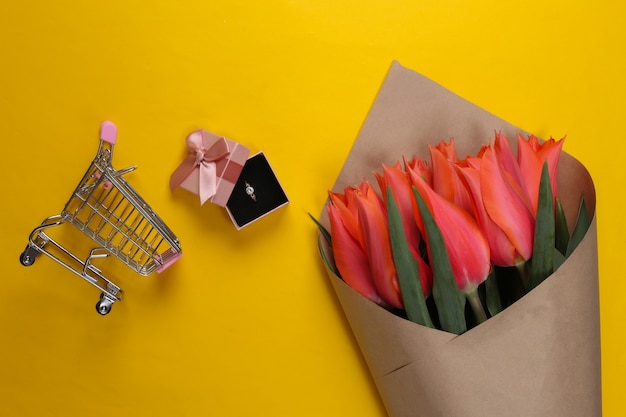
[203,156]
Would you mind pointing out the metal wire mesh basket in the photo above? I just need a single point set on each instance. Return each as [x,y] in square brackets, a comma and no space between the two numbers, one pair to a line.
[108,210]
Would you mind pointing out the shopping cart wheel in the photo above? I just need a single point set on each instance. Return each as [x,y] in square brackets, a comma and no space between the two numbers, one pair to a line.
[103,307]
[27,258]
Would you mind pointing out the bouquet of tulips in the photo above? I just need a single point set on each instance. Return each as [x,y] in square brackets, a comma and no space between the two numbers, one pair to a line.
[492,218]
[469,283]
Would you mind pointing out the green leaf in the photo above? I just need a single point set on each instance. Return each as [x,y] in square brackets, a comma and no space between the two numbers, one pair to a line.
[330,263]
[580,229]
[559,258]
[492,294]
[449,300]
[406,267]
[322,229]
[562,232]
[543,250]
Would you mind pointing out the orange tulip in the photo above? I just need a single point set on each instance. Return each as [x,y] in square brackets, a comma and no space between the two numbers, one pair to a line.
[507,160]
[446,180]
[531,156]
[467,247]
[417,168]
[507,205]
[448,150]
[402,191]
[373,223]
[347,211]
[350,258]
[421,167]
[366,189]
[501,213]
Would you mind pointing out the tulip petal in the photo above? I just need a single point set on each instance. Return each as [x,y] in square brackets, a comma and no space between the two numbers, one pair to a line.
[502,250]
[443,175]
[504,205]
[350,258]
[531,155]
[446,180]
[347,216]
[466,245]
[373,222]
[506,158]
[421,167]
[448,150]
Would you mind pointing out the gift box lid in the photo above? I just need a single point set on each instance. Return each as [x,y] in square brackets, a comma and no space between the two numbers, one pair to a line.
[211,168]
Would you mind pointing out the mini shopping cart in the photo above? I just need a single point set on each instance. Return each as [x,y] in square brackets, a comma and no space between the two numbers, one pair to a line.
[108,210]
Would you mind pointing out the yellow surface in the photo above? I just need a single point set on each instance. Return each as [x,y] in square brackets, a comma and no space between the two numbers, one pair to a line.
[246,323]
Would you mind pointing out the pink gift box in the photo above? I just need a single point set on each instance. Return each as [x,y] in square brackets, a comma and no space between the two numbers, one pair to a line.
[223,168]
[220,170]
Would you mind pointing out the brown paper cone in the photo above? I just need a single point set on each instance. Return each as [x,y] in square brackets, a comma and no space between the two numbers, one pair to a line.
[541,356]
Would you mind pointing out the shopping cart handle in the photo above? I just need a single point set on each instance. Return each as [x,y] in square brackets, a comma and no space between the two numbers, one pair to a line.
[108,132]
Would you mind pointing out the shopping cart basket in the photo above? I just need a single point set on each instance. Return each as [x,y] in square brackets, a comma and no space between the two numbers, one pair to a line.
[108,210]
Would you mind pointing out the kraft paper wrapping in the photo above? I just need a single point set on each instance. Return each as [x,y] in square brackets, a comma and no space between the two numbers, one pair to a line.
[541,356]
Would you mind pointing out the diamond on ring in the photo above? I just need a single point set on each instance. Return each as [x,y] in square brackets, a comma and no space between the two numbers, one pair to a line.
[250,190]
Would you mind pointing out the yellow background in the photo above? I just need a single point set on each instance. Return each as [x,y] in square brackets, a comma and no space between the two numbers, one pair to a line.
[246,323]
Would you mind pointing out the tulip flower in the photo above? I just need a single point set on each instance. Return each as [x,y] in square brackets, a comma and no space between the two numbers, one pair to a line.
[401,188]
[421,167]
[350,258]
[448,150]
[467,214]
[346,207]
[418,168]
[467,247]
[508,162]
[531,156]
[366,189]
[373,223]
[501,213]
[446,180]
[402,192]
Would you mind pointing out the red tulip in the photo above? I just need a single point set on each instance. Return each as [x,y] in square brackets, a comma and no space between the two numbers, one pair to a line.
[350,258]
[366,189]
[373,222]
[531,156]
[446,180]
[448,150]
[507,205]
[421,167]
[402,191]
[507,159]
[467,247]
[418,168]
[503,216]
[346,207]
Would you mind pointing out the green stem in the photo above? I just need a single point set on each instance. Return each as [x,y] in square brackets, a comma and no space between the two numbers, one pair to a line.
[477,306]
[522,269]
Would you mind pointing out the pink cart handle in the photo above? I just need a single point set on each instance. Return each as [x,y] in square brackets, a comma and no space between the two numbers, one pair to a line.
[108,132]
[168,263]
